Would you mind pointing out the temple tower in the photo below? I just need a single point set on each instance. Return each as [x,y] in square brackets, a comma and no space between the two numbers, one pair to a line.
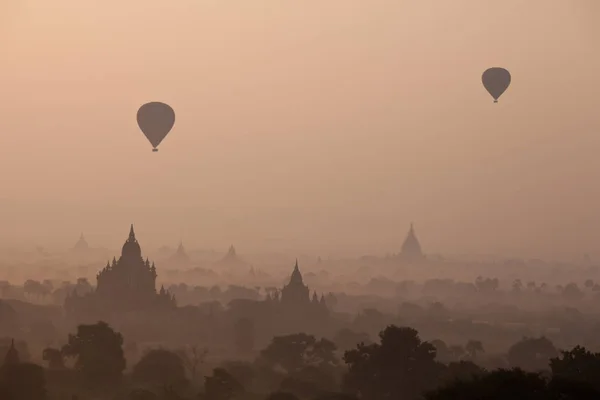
[295,292]
[411,248]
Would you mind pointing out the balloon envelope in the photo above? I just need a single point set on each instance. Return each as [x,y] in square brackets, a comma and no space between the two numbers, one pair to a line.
[155,120]
[496,81]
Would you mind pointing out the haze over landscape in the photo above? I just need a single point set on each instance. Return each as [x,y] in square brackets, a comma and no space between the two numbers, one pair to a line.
[339,209]
[323,128]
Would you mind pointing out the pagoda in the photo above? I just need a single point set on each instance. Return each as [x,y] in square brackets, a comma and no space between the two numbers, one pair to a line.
[180,257]
[81,245]
[411,248]
[126,284]
[295,296]
[231,259]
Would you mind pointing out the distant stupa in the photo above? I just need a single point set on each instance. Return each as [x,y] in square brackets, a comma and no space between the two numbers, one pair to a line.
[81,245]
[180,256]
[231,258]
[231,252]
[12,355]
[411,248]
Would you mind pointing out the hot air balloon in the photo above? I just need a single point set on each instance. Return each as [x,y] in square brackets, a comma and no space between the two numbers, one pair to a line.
[496,81]
[155,120]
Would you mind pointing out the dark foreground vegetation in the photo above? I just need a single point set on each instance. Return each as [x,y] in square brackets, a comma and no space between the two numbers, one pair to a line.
[92,365]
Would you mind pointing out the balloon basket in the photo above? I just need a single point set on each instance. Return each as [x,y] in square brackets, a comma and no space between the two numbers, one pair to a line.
[495,101]
[153,150]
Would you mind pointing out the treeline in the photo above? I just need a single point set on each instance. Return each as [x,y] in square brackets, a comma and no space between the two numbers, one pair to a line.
[92,365]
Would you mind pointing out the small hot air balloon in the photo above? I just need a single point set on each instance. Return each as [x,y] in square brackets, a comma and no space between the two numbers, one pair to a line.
[496,81]
[155,120]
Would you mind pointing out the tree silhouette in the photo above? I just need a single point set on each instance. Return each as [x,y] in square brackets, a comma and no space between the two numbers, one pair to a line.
[23,381]
[401,366]
[83,286]
[33,288]
[572,292]
[532,354]
[54,357]
[473,347]
[159,367]
[461,370]
[192,356]
[487,284]
[499,385]
[577,364]
[294,352]
[99,352]
[457,351]
[442,351]
[517,286]
[243,372]
[308,382]
[572,389]
[221,386]
[513,384]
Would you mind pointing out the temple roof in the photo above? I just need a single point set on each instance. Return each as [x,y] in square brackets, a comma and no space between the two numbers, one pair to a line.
[131,248]
[231,251]
[296,277]
[181,250]
[81,244]
[411,245]
[180,255]
[12,355]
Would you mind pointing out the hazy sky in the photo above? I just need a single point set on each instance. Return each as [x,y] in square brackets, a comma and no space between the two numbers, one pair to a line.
[313,126]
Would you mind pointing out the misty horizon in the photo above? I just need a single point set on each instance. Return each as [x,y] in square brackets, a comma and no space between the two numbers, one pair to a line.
[321,129]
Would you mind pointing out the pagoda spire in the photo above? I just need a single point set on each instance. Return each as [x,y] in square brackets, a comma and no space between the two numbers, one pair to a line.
[411,248]
[296,277]
[12,355]
[131,233]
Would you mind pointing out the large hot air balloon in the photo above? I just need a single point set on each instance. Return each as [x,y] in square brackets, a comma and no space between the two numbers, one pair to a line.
[155,120]
[496,81]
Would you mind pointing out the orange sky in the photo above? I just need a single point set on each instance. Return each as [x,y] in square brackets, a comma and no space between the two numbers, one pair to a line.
[321,127]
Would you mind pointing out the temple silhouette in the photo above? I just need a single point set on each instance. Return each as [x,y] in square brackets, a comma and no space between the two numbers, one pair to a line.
[411,248]
[126,284]
[295,296]
[180,257]
[81,245]
[12,355]
[231,259]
